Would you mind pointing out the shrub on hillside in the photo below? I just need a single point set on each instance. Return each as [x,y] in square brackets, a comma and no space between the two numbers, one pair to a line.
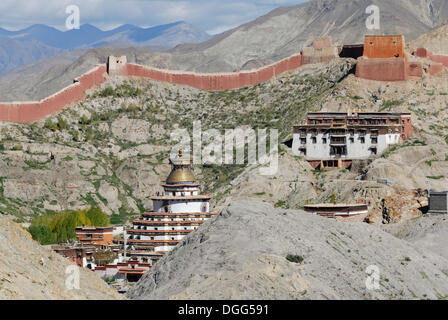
[60,227]
[294,258]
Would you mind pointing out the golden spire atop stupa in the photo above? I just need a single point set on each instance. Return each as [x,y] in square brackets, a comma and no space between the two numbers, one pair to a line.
[181,171]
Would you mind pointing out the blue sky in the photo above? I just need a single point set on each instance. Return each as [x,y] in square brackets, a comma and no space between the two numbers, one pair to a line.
[213,16]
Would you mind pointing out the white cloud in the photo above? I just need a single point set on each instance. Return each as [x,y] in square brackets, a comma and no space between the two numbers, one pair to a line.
[212,15]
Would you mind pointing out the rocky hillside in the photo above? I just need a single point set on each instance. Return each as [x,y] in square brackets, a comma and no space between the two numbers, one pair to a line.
[428,233]
[435,40]
[112,149]
[253,251]
[31,272]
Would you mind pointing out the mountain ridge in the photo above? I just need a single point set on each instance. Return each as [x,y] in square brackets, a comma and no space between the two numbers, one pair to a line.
[263,41]
[40,41]
[88,34]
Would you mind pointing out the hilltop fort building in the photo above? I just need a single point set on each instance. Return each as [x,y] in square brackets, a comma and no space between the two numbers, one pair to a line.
[334,140]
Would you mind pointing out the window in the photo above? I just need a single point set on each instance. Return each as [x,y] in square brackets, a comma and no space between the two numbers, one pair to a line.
[352,140]
[374,140]
[324,140]
[314,140]
[363,140]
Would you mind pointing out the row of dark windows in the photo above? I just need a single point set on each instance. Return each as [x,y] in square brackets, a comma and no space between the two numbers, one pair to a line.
[373,140]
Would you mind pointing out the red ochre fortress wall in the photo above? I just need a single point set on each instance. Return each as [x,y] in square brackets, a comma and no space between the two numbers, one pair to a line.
[384,59]
[440,61]
[321,51]
[214,82]
[25,112]
[377,47]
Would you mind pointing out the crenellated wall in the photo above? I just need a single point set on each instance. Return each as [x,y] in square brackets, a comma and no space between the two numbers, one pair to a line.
[387,68]
[384,47]
[217,81]
[25,112]
[381,69]
[437,58]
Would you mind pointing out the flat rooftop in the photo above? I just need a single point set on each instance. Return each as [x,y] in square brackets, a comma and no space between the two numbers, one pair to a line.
[357,114]
[335,206]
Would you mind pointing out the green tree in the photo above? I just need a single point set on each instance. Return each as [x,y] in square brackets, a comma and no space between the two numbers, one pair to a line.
[98,218]
[42,234]
[60,227]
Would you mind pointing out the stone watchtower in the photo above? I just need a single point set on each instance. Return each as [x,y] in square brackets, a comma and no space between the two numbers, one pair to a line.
[116,65]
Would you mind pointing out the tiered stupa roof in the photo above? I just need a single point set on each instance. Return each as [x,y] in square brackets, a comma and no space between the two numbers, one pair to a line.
[177,212]
[181,171]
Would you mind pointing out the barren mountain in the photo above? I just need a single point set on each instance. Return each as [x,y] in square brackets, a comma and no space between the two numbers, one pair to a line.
[111,151]
[286,30]
[14,53]
[37,81]
[272,37]
[18,48]
[254,251]
[435,40]
[31,272]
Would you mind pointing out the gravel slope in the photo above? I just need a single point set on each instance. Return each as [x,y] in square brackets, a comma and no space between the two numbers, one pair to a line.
[29,271]
[241,255]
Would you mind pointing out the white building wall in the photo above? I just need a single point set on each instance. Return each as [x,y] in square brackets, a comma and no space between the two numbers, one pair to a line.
[166,228]
[164,248]
[163,237]
[355,150]
[181,191]
[175,219]
[182,206]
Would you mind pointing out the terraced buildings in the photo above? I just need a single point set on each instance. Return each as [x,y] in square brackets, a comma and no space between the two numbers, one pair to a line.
[334,140]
